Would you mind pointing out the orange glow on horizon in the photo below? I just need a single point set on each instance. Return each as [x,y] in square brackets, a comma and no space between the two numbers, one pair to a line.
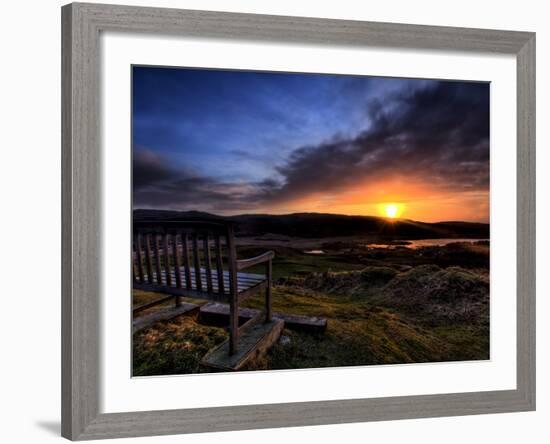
[412,197]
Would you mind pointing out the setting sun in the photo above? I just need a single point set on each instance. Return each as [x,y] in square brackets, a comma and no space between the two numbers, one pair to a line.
[391,210]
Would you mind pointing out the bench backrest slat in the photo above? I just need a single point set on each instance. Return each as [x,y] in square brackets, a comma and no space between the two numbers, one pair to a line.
[167,268]
[207,262]
[172,253]
[233,288]
[219,263]
[155,239]
[196,261]
[148,258]
[139,258]
[176,259]
[185,254]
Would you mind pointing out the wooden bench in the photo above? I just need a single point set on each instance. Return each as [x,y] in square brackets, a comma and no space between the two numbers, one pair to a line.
[198,259]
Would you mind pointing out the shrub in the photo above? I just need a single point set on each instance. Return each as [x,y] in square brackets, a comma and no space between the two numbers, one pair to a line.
[377,275]
[451,293]
[350,282]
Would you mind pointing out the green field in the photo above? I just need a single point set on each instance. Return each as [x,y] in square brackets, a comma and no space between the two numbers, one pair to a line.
[383,306]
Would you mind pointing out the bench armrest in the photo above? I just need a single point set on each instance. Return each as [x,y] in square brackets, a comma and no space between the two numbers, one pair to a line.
[246,263]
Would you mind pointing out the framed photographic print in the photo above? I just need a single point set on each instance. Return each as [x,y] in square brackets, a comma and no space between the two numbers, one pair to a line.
[277,221]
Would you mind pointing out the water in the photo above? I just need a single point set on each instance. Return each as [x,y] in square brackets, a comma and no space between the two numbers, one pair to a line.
[418,243]
[412,244]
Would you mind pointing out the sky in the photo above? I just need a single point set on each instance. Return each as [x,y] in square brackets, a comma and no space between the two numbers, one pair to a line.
[236,142]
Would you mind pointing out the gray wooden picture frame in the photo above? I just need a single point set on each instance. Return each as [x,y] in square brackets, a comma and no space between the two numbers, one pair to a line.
[81,232]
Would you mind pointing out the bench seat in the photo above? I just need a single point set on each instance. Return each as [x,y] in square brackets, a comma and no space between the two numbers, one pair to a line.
[245,281]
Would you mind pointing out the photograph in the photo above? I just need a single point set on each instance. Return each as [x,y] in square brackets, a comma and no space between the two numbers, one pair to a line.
[275,222]
[289,220]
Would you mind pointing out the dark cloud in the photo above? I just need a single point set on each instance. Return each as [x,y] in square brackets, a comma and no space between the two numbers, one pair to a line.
[149,170]
[158,184]
[438,133]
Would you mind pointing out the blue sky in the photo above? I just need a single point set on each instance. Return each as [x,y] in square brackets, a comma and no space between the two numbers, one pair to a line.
[243,139]
[251,119]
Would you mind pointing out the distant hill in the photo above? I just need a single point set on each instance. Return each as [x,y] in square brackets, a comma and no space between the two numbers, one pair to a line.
[318,225]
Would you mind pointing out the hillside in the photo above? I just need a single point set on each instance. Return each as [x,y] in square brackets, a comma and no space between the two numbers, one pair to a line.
[317,225]
[376,315]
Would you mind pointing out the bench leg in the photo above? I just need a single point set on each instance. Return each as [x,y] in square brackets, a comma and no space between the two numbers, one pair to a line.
[268,273]
[233,324]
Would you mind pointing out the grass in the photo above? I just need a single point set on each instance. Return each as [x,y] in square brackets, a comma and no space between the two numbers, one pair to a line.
[357,334]
[291,262]
[173,347]
[386,313]
[367,327]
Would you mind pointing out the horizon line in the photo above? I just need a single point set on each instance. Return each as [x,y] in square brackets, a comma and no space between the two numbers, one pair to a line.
[314,212]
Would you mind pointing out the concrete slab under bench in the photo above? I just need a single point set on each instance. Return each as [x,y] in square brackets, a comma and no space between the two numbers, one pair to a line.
[217,314]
